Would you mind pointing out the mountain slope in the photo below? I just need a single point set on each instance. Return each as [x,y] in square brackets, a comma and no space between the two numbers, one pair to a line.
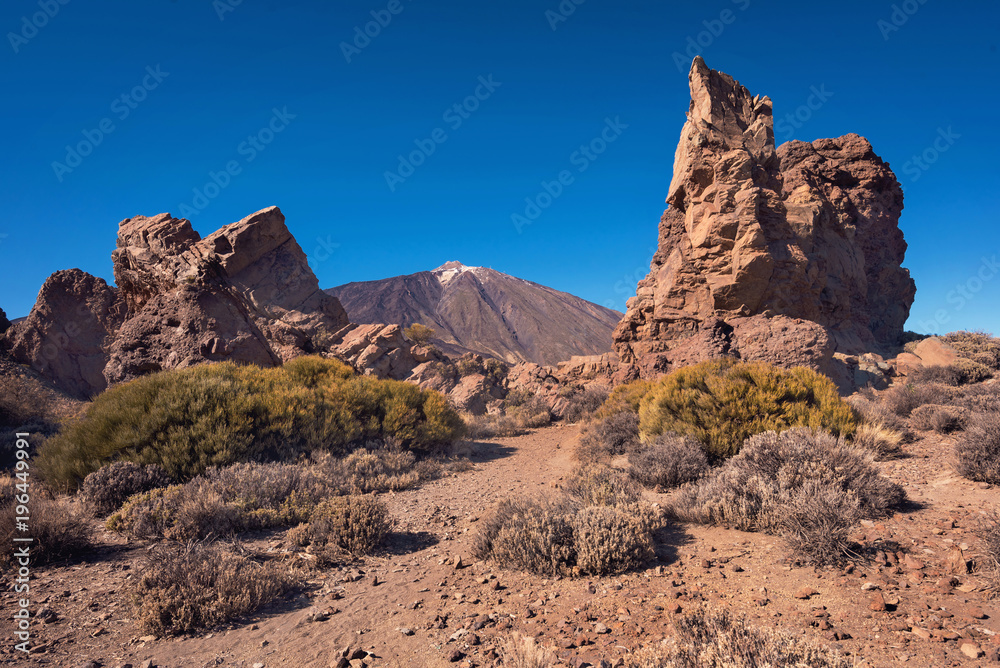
[482,310]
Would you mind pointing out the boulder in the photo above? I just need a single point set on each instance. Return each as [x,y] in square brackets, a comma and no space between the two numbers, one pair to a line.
[784,255]
[65,336]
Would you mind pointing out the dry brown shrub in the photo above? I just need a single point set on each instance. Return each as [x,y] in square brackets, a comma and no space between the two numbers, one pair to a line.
[904,399]
[988,531]
[23,400]
[584,403]
[58,529]
[524,652]
[186,589]
[942,419]
[711,638]
[180,512]
[979,347]
[612,539]
[670,461]
[978,450]
[799,484]
[105,490]
[971,371]
[883,442]
[379,468]
[945,375]
[347,525]
[614,435]
[600,485]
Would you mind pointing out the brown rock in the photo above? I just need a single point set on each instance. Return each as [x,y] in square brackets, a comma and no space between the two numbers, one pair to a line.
[877,603]
[971,650]
[781,255]
[956,563]
[805,593]
[65,335]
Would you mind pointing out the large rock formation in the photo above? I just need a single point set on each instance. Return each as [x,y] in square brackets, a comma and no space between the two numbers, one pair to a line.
[785,255]
[244,293]
[65,335]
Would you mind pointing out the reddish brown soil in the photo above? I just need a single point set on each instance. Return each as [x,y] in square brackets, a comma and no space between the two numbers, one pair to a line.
[415,585]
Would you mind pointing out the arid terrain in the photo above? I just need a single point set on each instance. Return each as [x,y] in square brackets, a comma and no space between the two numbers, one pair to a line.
[423,601]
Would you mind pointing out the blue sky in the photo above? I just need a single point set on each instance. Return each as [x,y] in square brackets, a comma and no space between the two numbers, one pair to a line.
[213,110]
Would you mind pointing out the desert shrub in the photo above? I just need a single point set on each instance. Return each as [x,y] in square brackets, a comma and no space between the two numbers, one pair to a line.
[470,364]
[873,411]
[970,371]
[8,489]
[180,512]
[187,420]
[584,403]
[713,638]
[59,531]
[626,397]
[978,451]
[524,652]
[883,442]
[614,435]
[559,535]
[22,400]
[195,587]
[611,539]
[599,485]
[722,402]
[375,469]
[988,530]
[534,535]
[531,414]
[930,417]
[669,461]
[492,425]
[518,396]
[979,347]
[106,489]
[983,398]
[267,495]
[419,334]
[774,486]
[945,375]
[902,400]
[354,525]
[495,370]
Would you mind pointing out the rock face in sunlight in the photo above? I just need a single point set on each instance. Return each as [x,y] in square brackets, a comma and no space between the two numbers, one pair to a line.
[244,293]
[785,255]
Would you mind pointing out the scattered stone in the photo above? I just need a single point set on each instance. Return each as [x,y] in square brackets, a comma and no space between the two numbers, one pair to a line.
[877,603]
[806,593]
[406,631]
[971,650]
[601,629]
[455,656]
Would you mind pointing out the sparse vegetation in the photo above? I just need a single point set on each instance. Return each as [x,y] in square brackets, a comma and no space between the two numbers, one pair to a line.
[213,415]
[22,400]
[979,347]
[599,485]
[345,525]
[194,587]
[616,434]
[105,490]
[988,531]
[563,535]
[713,638]
[806,485]
[419,334]
[723,402]
[902,400]
[883,442]
[978,450]
[668,462]
[942,419]
[524,652]
[58,529]
[583,403]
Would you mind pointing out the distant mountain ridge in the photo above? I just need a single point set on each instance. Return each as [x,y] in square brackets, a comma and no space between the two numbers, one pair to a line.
[485,311]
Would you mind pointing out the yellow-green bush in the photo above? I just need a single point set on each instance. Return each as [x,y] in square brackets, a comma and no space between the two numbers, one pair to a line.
[723,402]
[625,397]
[212,415]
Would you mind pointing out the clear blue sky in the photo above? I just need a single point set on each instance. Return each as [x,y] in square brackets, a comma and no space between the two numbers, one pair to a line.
[218,71]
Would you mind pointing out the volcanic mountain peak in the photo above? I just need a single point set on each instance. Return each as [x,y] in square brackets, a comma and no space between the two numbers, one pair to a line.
[451,269]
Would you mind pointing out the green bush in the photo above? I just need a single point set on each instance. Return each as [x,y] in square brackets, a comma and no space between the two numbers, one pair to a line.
[626,398]
[723,402]
[419,334]
[188,420]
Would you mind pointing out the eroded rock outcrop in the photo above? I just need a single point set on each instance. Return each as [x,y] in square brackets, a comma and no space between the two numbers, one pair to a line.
[65,335]
[785,255]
